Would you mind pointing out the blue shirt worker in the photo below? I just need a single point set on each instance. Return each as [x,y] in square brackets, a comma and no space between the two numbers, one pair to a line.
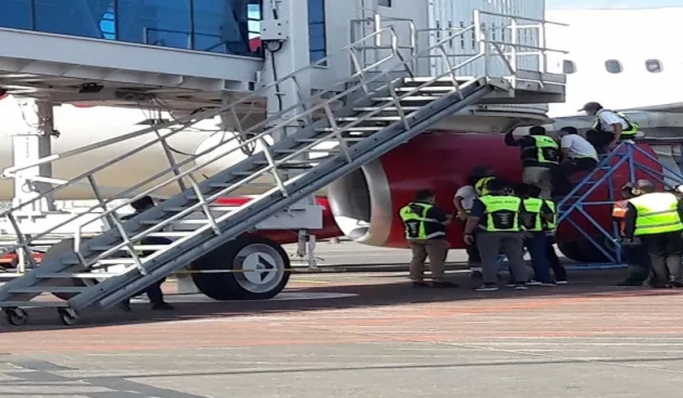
[535,219]
[497,216]
[425,229]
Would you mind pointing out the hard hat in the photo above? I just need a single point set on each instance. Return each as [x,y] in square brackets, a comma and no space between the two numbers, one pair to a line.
[679,188]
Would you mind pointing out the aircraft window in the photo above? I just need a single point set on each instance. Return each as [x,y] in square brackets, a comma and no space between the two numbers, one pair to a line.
[613,66]
[568,67]
[654,65]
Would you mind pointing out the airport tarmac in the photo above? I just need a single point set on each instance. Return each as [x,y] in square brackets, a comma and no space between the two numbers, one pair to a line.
[364,335]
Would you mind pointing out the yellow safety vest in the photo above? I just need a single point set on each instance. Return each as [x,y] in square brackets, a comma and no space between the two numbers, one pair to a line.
[415,221]
[657,213]
[480,186]
[551,225]
[502,213]
[631,131]
[546,149]
[531,217]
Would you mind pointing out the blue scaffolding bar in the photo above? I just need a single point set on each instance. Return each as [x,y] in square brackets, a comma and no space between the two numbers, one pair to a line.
[579,200]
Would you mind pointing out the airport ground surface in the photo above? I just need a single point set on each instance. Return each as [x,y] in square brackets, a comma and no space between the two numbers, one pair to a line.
[364,335]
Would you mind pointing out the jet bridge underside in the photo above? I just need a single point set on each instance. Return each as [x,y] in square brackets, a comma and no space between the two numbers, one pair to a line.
[59,68]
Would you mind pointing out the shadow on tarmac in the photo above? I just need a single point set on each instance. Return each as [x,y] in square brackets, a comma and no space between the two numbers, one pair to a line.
[377,290]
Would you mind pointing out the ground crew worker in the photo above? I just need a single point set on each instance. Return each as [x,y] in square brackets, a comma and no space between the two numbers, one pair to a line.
[637,259]
[425,228]
[462,201]
[655,218]
[540,156]
[154,293]
[553,260]
[609,127]
[534,219]
[577,154]
[497,215]
[481,176]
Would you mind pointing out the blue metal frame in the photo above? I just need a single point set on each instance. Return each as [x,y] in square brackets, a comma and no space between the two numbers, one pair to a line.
[578,198]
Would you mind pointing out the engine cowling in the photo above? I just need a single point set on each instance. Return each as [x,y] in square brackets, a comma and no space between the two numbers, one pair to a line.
[365,203]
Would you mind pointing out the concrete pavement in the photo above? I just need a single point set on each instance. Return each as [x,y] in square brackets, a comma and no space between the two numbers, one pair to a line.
[363,335]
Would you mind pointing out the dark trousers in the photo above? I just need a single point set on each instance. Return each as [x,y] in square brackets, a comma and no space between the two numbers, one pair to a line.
[638,262]
[473,256]
[665,256]
[562,176]
[601,139]
[537,245]
[554,261]
[154,293]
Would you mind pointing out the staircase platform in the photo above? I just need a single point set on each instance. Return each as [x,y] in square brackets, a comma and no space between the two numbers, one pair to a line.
[42,65]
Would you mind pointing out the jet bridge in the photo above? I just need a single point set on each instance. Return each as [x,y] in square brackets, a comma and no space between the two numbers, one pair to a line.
[377,108]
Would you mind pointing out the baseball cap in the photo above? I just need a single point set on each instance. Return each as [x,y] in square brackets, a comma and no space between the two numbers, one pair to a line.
[590,105]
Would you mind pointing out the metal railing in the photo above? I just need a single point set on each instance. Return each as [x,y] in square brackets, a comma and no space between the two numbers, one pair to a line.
[279,120]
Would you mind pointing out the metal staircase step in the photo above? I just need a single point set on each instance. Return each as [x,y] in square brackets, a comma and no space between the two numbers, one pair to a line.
[136,247]
[370,119]
[79,275]
[354,128]
[414,98]
[180,222]
[433,89]
[299,161]
[345,139]
[440,80]
[406,109]
[104,262]
[34,304]
[49,289]
[213,208]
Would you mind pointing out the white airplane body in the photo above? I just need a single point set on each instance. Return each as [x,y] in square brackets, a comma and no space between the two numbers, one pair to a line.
[621,53]
[648,67]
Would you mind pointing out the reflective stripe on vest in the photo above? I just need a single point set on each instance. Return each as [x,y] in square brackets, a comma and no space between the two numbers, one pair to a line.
[531,217]
[480,186]
[501,210]
[657,213]
[545,145]
[551,225]
[415,223]
[630,131]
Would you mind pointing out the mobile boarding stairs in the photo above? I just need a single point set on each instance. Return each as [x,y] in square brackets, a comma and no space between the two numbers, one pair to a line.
[386,104]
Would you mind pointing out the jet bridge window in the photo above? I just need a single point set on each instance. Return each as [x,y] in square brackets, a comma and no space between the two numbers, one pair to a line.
[568,67]
[613,66]
[654,65]
[317,35]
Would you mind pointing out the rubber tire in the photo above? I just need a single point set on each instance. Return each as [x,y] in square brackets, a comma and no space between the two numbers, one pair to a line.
[224,286]
[16,316]
[582,251]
